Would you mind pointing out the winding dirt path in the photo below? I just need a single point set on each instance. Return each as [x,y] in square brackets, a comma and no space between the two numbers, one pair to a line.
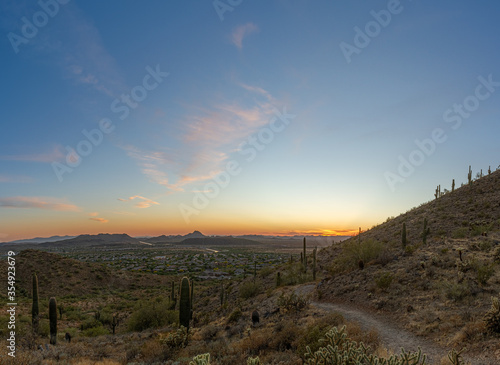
[391,336]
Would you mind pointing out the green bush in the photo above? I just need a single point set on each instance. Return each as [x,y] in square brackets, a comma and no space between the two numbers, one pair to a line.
[384,280]
[152,315]
[354,251]
[234,316]
[483,271]
[292,301]
[293,274]
[249,289]
[455,291]
[95,331]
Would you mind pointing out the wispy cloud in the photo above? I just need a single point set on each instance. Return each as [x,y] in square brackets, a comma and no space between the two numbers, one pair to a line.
[145,203]
[15,179]
[241,32]
[34,202]
[209,137]
[100,220]
[56,154]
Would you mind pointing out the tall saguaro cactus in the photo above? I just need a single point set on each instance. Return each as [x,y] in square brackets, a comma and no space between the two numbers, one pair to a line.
[305,256]
[425,232]
[34,308]
[53,320]
[453,186]
[403,235]
[469,176]
[314,263]
[185,303]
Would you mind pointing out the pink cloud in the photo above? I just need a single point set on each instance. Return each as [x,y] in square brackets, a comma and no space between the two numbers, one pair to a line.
[33,202]
[100,220]
[145,203]
[241,32]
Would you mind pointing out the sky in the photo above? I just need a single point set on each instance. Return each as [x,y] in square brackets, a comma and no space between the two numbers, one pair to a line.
[237,116]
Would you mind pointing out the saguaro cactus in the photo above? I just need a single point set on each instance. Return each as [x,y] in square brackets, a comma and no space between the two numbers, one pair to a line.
[403,235]
[185,303]
[437,194]
[453,186]
[314,263]
[305,256]
[34,308]
[53,320]
[469,176]
[191,299]
[425,232]
[221,295]
[278,279]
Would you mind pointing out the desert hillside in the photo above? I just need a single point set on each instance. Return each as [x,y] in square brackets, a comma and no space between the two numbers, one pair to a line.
[439,290]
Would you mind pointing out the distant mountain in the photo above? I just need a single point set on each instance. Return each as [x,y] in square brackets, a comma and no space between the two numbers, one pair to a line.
[43,239]
[195,234]
[95,240]
[174,238]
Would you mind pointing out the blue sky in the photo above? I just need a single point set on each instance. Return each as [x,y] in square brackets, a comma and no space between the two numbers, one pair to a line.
[332,166]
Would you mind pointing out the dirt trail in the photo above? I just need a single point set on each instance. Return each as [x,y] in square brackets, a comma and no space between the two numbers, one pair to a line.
[391,336]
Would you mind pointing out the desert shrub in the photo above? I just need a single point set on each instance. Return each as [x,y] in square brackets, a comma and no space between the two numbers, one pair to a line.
[95,331]
[284,336]
[478,230]
[455,291]
[313,333]
[461,232]
[292,301]
[249,289]
[492,317]
[483,271]
[485,246]
[234,316]
[152,316]
[354,251]
[209,332]
[294,274]
[266,271]
[384,280]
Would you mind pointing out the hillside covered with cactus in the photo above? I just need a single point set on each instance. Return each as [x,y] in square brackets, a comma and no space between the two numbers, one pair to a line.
[433,269]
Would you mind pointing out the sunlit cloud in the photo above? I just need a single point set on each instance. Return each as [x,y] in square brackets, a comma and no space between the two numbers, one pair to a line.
[145,203]
[241,32]
[33,202]
[94,214]
[100,220]
[209,137]
[56,154]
